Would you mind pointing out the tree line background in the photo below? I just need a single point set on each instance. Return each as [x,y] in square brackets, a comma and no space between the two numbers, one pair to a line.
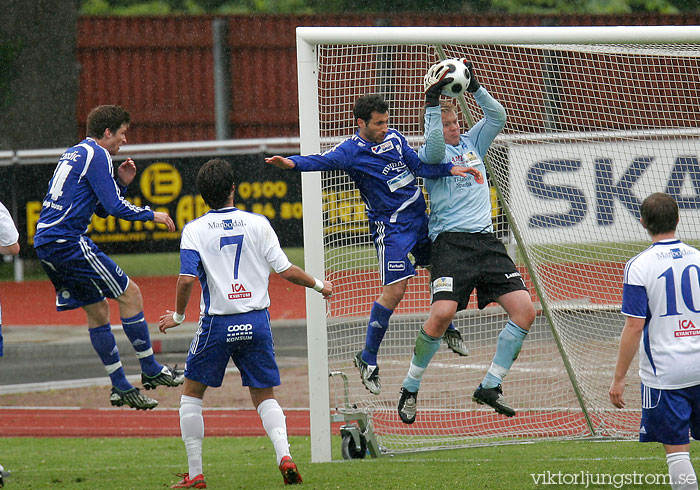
[167,7]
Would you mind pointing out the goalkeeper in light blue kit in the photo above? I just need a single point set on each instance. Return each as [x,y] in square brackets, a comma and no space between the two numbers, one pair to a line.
[465,253]
[384,168]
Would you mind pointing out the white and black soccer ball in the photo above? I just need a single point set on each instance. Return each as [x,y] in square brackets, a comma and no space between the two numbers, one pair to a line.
[460,73]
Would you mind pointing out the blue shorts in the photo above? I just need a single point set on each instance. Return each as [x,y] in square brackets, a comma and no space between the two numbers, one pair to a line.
[668,415]
[81,273]
[246,338]
[394,241]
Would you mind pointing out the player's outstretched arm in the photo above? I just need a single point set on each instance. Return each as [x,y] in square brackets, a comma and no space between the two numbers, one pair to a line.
[280,162]
[629,343]
[460,171]
[164,219]
[297,275]
[183,290]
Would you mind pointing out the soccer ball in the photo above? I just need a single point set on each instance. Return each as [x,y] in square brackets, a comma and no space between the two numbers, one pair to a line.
[460,73]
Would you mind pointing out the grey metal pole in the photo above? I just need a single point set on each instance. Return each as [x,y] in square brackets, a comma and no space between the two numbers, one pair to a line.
[222,89]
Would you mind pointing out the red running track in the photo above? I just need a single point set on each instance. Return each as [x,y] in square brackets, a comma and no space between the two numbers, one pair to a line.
[123,422]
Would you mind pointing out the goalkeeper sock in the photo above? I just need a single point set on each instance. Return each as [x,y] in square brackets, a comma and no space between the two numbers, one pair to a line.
[136,330]
[105,345]
[378,325]
[510,341]
[425,349]
[192,430]
[273,421]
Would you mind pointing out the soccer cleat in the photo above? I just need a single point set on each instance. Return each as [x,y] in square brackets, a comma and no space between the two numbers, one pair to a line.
[407,406]
[493,397]
[196,482]
[289,470]
[3,474]
[166,377]
[454,341]
[133,398]
[369,375]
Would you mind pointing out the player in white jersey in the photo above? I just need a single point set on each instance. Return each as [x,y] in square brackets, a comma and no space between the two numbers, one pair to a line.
[660,298]
[9,245]
[231,252]
[460,226]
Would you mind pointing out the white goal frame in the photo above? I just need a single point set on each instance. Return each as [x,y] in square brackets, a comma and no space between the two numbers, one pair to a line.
[308,39]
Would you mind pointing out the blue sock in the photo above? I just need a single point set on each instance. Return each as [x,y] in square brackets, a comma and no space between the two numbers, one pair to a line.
[510,341]
[377,327]
[104,344]
[425,349]
[136,330]
[451,326]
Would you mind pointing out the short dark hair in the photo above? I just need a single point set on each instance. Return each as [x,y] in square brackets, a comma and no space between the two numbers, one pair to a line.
[214,182]
[367,104]
[659,213]
[105,117]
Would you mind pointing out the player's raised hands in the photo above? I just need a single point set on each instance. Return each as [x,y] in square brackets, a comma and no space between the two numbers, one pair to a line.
[280,162]
[460,171]
[164,219]
[435,78]
[126,172]
[474,85]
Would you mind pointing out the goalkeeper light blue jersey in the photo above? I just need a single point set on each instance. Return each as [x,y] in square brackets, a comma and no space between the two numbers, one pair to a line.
[231,252]
[83,184]
[662,285]
[384,173]
[459,203]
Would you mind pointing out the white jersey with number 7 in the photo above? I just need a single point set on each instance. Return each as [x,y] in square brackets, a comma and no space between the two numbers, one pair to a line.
[232,252]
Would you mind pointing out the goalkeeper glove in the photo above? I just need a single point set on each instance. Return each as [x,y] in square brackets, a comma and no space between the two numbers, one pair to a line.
[433,82]
[473,84]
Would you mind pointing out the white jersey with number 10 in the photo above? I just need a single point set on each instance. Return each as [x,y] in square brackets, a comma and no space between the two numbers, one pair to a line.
[232,252]
[662,285]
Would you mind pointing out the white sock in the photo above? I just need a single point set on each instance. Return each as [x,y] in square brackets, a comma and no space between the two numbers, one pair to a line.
[192,429]
[681,471]
[273,421]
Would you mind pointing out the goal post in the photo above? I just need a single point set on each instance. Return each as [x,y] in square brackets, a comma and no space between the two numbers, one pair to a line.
[598,118]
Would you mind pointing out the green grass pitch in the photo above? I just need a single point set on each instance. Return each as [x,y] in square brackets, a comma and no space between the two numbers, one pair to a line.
[249,463]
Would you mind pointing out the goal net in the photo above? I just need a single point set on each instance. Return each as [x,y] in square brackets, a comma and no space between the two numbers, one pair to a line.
[598,118]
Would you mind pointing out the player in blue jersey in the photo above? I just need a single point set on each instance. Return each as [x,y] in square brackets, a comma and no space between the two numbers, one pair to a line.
[663,322]
[83,184]
[460,226]
[384,168]
[231,252]
[9,245]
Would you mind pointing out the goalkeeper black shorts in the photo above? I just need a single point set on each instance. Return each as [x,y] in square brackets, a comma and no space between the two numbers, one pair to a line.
[462,262]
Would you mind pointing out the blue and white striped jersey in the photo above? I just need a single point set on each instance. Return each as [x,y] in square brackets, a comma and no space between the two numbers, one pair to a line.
[662,285]
[459,203]
[384,173]
[231,252]
[83,184]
